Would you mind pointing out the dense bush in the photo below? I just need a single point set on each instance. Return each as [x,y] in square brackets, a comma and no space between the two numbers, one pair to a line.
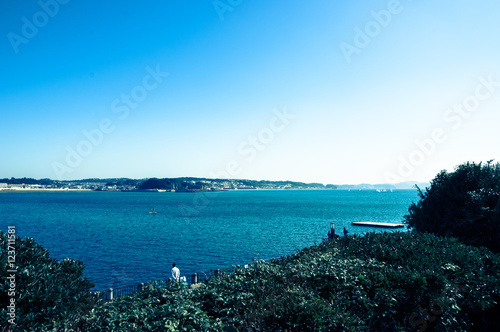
[464,204]
[48,293]
[389,281]
[153,309]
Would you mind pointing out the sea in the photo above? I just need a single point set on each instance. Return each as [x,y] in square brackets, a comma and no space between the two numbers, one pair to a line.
[122,243]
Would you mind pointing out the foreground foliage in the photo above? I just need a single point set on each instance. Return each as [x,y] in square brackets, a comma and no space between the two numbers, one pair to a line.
[464,204]
[389,281]
[48,293]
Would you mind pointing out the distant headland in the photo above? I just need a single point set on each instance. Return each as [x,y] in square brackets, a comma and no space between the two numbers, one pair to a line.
[183,184]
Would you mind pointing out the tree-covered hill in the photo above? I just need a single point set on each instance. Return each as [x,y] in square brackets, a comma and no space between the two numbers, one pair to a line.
[181,184]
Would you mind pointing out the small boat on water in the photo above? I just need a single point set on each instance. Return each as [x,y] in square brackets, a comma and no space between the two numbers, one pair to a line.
[152,212]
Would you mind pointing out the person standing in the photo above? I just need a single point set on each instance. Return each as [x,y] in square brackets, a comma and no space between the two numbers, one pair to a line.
[176,273]
[331,232]
[345,231]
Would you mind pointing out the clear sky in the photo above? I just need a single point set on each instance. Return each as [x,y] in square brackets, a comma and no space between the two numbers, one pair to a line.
[316,91]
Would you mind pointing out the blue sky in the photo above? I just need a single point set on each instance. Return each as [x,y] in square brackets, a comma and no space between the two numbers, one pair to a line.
[319,91]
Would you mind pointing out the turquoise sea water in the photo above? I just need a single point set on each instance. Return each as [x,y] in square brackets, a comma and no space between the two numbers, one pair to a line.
[121,243]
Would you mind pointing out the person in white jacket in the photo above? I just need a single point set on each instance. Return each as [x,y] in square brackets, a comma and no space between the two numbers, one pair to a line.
[176,274]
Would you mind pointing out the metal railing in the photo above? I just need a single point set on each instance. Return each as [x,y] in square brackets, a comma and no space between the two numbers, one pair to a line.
[113,293]
[195,278]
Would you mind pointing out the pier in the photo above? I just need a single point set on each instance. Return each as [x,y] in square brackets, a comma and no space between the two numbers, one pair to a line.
[377,224]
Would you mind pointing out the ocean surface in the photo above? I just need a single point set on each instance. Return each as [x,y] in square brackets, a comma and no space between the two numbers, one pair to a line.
[122,244]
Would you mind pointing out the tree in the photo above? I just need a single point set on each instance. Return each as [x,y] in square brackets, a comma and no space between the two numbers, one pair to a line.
[464,204]
[48,294]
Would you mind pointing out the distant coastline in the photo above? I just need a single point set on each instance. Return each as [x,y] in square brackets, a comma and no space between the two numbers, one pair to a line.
[7,190]
[67,190]
[184,184]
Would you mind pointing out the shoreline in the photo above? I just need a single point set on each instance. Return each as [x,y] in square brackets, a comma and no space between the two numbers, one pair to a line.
[7,190]
[144,191]
[26,190]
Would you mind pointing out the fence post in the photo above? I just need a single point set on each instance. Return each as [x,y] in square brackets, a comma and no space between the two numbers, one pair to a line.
[195,278]
[110,294]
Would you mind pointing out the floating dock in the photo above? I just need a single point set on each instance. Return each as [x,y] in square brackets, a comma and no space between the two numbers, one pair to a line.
[377,224]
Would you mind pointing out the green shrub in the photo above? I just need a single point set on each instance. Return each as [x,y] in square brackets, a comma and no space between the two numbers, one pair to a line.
[48,293]
[378,282]
[464,204]
[152,309]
